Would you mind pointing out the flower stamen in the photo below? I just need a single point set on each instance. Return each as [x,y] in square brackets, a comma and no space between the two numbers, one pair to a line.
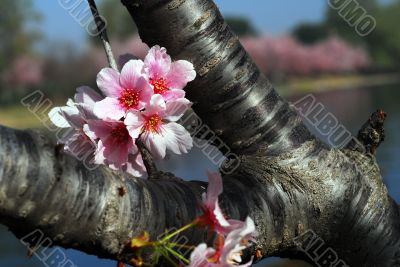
[129,99]
[153,124]
[159,85]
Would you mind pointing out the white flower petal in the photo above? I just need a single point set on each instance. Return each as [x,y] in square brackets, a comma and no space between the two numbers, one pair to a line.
[176,109]
[155,144]
[177,138]
[57,118]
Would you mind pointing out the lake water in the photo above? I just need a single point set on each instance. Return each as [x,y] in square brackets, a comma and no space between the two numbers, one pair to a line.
[351,107]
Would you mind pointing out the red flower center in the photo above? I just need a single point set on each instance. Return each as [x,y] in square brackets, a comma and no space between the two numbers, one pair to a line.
[129,99]
[153,123]
[120,134]
[208,218]
[159,85]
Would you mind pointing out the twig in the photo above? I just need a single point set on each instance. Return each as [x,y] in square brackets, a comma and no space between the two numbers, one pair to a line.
[151,167]
[102,32]
[371,134]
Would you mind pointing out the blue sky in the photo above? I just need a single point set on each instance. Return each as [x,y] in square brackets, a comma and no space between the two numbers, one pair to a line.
[273,17]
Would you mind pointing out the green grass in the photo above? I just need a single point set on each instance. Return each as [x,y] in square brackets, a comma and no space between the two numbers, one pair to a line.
[18,117]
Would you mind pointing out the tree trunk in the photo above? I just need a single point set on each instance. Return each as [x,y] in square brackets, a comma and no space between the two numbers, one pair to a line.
[300,192]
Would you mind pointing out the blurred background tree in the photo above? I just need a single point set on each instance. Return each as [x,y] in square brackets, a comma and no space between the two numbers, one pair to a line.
[19,34]
[17,29]
[241,26]
[383,44]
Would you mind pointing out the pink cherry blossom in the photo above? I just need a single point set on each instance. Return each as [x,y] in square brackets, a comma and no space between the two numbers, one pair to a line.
[157,128]
[168,78]
[116,148]
[125,91]
[228,251]
[74,116]
[213,215]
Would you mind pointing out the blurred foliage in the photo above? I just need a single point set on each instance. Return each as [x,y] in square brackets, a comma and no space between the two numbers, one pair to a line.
[336,24]
[309,33]
[383,44]
[120,25]
[241,25]
[16,37]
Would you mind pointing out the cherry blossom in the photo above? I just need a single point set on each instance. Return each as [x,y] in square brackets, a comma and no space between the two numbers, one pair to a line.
[168,78]
[228,252]
[125,91]
[74,116]
[157,128]
[115,147]
[213,215]
[131,110]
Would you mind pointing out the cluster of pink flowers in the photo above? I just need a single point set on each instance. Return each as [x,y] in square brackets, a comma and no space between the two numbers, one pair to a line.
[142,102]
[285,55]
[232,236]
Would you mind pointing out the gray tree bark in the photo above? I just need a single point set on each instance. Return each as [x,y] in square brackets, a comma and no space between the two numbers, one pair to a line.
[287,181]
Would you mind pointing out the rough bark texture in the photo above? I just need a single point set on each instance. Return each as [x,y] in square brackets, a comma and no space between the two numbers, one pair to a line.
[287,181]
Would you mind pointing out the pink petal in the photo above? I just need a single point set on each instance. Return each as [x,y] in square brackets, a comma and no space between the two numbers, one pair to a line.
[86,98]
[157,62]
[80,146]
[109,109]
[156,105]
[177,138]
[181,73]
[131,73]
[233,241]
[214,188]
[116,154]
[200,256]
[173,94]
[98,129]
[134,122]
[176,109]
[146,92]
[135,165]
[108,82]
[87,95]
[75,120]
[155,144]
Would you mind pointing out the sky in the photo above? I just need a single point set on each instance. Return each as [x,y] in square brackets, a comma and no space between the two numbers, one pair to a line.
[273,17]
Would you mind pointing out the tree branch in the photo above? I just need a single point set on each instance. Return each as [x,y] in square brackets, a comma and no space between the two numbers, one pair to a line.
[102,32]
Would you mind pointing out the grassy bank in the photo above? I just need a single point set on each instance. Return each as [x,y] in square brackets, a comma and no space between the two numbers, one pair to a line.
[336,82]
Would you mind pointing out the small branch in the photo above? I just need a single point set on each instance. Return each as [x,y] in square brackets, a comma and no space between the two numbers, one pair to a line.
[102,32]
[151,167]
[371,134]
